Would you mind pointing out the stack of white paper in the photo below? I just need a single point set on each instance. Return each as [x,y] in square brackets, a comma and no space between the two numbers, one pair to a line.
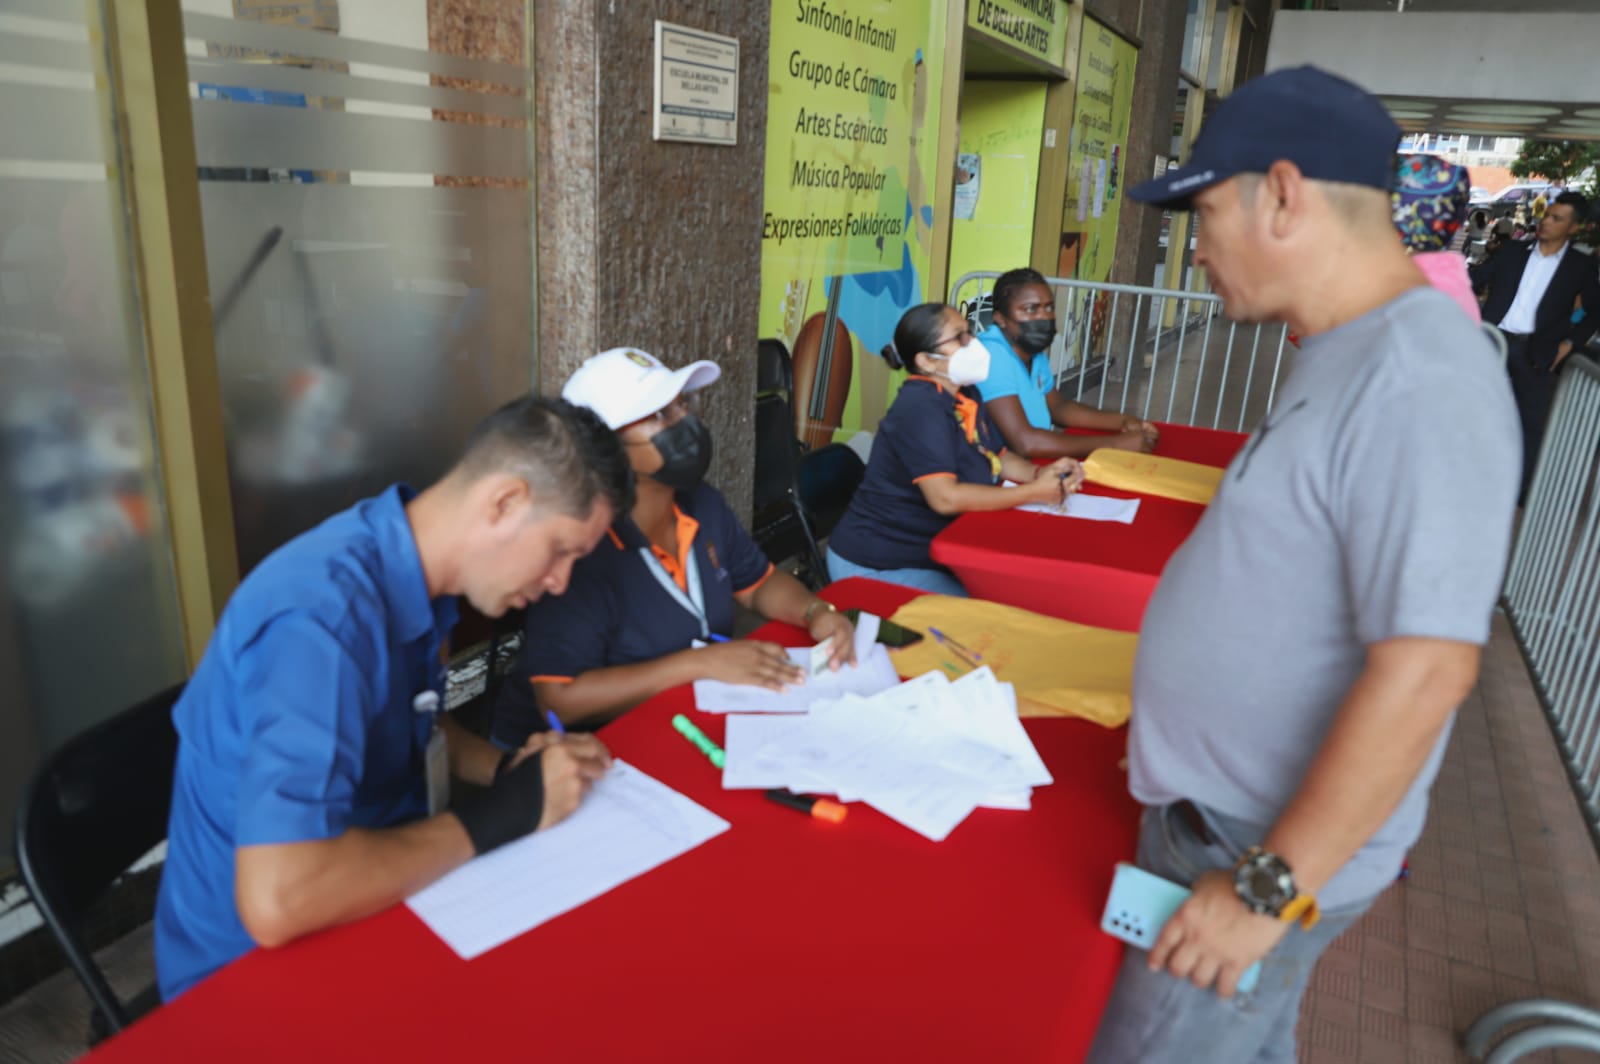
[872,672]
[926,753]
[628,824]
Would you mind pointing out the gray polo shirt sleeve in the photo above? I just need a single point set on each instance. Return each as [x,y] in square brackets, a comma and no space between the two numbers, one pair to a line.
[1422,535]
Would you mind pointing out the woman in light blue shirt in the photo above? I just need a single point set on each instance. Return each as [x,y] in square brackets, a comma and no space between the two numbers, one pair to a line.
[1020,393]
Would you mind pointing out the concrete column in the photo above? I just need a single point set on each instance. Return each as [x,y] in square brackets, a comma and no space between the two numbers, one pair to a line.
[652,244]
[1155,96]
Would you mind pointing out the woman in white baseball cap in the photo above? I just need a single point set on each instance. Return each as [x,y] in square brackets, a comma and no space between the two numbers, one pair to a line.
[666,576]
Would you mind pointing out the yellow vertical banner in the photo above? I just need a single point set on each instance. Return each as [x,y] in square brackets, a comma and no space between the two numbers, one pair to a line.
[847,230]
[1096,158]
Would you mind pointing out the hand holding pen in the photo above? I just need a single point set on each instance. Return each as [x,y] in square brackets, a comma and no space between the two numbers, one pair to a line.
[1068,475]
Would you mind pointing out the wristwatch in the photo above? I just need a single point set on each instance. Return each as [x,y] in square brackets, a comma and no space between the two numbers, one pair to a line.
[1264,883]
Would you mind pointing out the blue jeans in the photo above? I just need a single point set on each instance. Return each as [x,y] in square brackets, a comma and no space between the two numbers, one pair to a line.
[935,580]
[1155,1018]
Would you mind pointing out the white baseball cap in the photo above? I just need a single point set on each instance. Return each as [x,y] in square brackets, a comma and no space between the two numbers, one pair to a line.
[625,384]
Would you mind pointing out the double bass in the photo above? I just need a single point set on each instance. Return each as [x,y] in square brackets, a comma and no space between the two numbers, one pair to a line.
[824,359]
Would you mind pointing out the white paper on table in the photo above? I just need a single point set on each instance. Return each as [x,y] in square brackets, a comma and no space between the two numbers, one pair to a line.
[816,759]
[929,800]
[627,825]
[972,758]
[998,725]
[877,754]
[926,752]
[1019,801]
[1089,508]
[972,729]
[753,747]
[872,673]
[918,696]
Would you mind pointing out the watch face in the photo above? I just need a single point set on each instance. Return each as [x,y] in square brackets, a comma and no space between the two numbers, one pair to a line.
[1264,885]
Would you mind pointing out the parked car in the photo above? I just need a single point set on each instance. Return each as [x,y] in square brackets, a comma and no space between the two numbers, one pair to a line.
[1507,201]
[1480,196]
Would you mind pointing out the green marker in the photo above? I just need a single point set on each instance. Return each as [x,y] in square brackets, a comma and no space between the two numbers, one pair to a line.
[686,728]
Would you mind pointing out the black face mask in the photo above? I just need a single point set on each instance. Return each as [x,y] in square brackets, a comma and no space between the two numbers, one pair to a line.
[685,448]
[1034,336]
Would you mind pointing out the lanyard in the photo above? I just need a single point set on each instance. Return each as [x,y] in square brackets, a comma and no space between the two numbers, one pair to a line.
[694,602]
[967,417]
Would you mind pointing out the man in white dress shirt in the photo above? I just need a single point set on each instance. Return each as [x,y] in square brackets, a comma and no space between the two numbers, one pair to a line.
[1532,289]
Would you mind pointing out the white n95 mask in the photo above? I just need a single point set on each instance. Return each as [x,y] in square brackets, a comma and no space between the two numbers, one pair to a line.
[969,365]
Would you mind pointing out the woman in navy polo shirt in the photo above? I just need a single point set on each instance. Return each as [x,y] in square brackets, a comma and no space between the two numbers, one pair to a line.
[1020,392]
[937,454]
[665,576]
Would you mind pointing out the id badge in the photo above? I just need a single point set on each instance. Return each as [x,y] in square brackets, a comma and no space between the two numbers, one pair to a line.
[438,764]
[436,755]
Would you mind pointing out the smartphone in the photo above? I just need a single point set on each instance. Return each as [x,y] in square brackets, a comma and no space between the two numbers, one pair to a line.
[889,633]
[1139,906]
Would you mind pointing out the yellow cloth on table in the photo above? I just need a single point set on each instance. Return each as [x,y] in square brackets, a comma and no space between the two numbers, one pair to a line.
[1060,669]
[1153,475]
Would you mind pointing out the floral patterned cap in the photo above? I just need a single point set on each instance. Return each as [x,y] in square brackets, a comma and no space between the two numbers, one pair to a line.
[1430,200]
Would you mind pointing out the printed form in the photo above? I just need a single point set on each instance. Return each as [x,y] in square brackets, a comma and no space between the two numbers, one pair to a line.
[627,825]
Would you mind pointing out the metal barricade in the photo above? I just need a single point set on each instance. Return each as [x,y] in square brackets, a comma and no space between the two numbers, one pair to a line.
[1115,350]
[1552,597]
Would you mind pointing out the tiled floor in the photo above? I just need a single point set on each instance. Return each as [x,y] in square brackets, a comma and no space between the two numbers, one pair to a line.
[1502,903]
[50,1023]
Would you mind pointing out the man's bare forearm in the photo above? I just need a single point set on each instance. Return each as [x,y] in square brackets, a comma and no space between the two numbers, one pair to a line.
[285,890]
[1071,414]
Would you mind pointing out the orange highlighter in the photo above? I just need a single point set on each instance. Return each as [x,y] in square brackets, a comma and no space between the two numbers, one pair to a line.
[820,808]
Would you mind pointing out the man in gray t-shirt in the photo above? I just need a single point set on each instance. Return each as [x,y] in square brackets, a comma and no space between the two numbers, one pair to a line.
[1370,506]
[1303,656]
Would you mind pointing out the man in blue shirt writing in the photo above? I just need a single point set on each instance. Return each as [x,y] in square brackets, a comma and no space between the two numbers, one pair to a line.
[313,763]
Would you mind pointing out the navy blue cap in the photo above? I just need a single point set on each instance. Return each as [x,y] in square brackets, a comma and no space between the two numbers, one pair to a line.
[1332,129]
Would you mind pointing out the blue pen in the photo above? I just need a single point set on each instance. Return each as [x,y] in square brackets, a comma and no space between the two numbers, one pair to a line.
[715,638]
[971,655]
[555,722]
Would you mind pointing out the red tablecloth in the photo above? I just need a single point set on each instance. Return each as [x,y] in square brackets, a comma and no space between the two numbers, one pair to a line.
[784,939]
[1092,572]
[1214,447]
